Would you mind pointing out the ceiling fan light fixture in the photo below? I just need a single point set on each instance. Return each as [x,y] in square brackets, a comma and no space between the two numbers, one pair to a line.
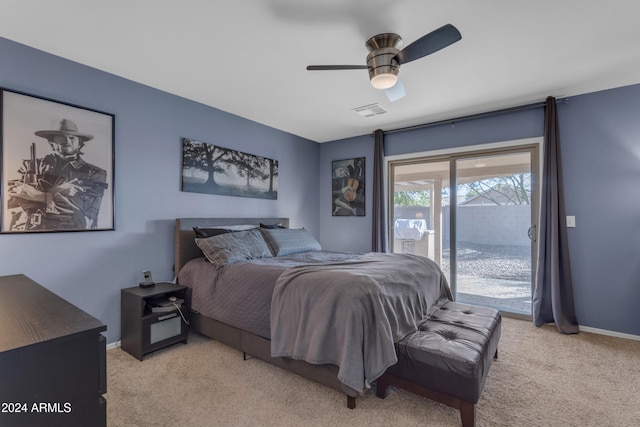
[385,57]
[384,80]
[383,67]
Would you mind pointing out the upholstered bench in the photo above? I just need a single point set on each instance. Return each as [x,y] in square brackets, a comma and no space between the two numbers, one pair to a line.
[448,358]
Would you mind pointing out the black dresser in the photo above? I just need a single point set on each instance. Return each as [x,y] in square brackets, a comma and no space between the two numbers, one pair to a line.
[52,359]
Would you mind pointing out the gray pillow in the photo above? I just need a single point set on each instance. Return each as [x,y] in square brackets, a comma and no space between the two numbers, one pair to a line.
[286,241]
[234,247]
[214,231]
[202,232]
[272,225]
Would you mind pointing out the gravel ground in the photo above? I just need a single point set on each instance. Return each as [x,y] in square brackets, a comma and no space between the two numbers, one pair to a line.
[492,261]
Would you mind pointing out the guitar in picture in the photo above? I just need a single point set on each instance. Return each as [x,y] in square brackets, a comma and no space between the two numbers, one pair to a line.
[350,191]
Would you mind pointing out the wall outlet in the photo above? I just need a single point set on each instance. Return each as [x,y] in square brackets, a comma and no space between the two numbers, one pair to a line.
[571,221]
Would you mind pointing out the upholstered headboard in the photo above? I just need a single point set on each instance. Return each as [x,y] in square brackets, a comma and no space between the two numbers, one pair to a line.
[184,244]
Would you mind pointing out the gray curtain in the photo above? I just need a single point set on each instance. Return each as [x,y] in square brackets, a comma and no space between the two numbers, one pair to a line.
[553,295]
[379,232]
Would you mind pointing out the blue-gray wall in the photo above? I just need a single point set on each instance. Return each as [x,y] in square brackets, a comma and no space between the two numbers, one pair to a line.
[600,141]
[89,268]
[345,233]
[599,137]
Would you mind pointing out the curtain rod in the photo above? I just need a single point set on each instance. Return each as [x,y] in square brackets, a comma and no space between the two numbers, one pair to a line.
[475,116]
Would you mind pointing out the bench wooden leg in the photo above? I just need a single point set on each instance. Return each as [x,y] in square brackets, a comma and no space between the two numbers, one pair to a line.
[467,409]
[467,414]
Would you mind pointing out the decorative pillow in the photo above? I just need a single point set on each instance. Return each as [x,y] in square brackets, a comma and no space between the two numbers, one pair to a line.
[203,232]
[209,232]
[242,227]
[228,248]
[271,226]
[284,241]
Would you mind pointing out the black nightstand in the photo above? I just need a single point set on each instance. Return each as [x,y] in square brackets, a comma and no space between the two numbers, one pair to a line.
[143,329]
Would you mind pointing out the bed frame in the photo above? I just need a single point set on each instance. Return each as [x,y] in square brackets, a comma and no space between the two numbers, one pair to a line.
[248,343]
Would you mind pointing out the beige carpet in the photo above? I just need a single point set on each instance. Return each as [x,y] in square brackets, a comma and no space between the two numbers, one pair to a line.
[542,378]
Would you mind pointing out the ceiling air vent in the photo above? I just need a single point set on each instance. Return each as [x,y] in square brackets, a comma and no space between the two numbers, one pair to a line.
[370,110]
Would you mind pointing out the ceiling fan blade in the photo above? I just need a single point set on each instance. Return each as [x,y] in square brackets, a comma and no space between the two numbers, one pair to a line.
[429,43]
[335,67]
[396,91]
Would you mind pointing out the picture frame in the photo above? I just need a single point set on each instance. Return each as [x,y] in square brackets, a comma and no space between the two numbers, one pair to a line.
[348,187]
[212,169]
[57,166]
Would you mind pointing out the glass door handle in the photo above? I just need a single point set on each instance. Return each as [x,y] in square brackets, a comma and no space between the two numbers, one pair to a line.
[532,232]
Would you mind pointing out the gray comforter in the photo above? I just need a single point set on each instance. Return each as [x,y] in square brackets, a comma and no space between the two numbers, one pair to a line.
[240,294]
[350,313]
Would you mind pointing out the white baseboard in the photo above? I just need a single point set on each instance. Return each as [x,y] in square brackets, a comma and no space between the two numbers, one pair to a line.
[609,333]
[582,329]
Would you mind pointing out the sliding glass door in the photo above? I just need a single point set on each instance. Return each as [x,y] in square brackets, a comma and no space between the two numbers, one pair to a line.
[420,197]
[472,213]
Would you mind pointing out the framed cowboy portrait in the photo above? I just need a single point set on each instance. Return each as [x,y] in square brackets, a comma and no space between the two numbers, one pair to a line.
[347,185]
[57,166]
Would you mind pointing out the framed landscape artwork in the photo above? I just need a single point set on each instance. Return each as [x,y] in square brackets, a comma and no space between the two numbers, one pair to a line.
[212,169]
[57,166]
[347,184]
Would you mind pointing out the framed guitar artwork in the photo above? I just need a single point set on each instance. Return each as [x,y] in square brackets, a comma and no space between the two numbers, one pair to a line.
[347,185]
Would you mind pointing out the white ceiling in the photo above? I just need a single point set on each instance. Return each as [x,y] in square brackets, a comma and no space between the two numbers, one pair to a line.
[248,57]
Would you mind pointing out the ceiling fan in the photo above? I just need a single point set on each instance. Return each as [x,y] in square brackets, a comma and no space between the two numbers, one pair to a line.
[385,57]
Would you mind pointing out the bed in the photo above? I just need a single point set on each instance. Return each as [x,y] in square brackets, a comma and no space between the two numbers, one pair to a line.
[288,307]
